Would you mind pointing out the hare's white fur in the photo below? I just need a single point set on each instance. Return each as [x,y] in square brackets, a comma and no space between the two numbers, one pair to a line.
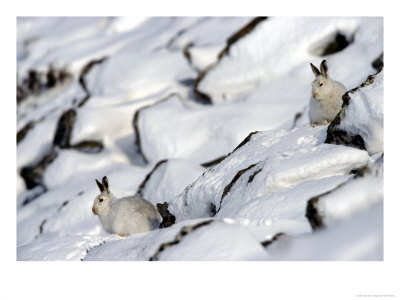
[326,100]
[124,216]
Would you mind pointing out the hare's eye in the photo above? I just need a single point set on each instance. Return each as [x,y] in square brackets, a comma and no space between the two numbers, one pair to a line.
[321,84]
[101,200]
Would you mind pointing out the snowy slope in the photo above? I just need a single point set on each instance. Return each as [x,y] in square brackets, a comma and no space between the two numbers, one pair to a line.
[207,115]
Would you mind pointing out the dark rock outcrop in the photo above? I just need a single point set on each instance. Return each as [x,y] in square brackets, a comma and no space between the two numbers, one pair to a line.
[312,215]
[168,219]
[332,44]
[266,243]
[64,129]
[213,162]
[21,134]
[32,175]
[37,82]
[378,62]
[89,146]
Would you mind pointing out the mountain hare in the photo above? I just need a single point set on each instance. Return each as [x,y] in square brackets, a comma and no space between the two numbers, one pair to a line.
[124,216]
[326,100]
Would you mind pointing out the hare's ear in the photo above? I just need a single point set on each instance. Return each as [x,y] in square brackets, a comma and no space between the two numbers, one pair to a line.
[105,184]
[324,68]
[315,70]
[101,187]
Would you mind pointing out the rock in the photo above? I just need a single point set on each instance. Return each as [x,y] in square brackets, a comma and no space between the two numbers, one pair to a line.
[331,44]
[168,219]
[33,174]
[64,129]
[268,242]
[378,62]
[312,214]
[23,132]
[88,146]
[37,82]
[213,162]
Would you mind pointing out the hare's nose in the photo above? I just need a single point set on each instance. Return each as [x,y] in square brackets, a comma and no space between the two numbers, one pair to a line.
[93,210]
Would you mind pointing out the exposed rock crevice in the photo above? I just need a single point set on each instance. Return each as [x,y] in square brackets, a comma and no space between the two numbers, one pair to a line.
[268,242]
[333,43]
[245,30]
[245,141]
[168,219]
[378,63]
[22,133]
[249,27]
[213,162]
[181,234]
[85,70]
[232,183]
[142,185]
[135,121]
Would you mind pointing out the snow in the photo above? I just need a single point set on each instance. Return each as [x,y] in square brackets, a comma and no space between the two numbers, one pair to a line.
[158,139]
[137,74]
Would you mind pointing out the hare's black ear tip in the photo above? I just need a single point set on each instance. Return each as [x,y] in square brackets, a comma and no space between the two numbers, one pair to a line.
[99,185]
[105,178]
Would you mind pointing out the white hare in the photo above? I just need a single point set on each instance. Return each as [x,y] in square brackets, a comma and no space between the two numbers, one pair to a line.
[326,100]
[124,216]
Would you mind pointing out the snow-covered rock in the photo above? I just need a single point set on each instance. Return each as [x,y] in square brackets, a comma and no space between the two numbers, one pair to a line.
[168,179]
[252,61]
[270,177]
[362,115]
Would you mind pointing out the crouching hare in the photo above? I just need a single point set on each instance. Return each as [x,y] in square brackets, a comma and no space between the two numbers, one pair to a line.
[326,99]
[124,216]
